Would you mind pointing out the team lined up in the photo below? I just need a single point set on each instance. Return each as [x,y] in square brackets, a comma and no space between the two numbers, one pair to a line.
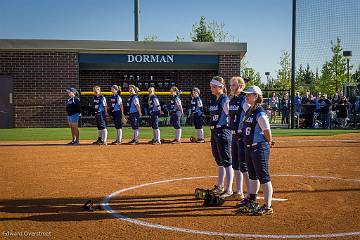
[116,110]
[240,134]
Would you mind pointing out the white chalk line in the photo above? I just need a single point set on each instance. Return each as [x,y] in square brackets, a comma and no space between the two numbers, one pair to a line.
[107,208]
[321,140]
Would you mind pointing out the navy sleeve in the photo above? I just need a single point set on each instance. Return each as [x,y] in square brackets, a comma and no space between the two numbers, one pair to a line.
[77,105]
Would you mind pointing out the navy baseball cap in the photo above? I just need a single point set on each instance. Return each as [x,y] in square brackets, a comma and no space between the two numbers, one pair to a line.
[116,87]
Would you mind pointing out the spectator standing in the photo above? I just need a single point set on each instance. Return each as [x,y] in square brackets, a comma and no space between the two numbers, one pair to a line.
[274,103]
[342,111]
[325,107]
[308,109]
[306,97]
[285,109]
[297,102]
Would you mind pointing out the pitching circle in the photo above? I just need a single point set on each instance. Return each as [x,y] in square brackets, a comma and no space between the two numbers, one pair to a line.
[105,205]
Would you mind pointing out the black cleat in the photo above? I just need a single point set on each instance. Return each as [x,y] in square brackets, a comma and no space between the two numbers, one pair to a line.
[133,142]
[116,142]
[248,209]
[89,206]
[263,210]
[98,141]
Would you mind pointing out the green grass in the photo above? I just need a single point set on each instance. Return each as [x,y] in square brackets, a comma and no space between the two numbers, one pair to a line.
[44,134]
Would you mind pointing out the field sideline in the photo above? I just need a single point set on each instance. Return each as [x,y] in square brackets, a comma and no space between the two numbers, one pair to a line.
[51,134]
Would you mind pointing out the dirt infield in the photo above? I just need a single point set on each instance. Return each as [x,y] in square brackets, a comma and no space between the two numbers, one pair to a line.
[44,184]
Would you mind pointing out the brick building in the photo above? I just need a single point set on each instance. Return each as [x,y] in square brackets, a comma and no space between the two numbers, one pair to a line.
[35,73]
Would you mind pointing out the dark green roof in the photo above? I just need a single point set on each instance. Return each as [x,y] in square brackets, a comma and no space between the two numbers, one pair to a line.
[218,48]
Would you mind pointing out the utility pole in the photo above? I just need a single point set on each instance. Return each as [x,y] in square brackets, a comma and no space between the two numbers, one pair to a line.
[136,19]
[293,63]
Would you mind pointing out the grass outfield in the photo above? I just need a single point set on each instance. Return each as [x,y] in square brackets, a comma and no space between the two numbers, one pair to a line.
[44,134]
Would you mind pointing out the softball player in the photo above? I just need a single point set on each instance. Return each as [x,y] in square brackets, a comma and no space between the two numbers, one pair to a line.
[154,109]
[197,114]
[116,111]
[221,135]
[73,109]
[237,108]
[135,112]
[100,108]
[176,110]
[257,139]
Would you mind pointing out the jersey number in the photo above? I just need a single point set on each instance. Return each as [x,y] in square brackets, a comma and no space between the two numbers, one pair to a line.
[247,131]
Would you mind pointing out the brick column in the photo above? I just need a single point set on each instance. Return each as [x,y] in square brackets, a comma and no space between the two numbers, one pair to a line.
[40,81]
[229,66]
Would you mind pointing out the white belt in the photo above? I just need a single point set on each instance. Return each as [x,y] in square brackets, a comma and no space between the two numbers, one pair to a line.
[217,126]
[236,131]
[252,145]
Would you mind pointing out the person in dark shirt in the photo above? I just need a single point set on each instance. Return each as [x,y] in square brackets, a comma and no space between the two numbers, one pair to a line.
[342,111]
[73,109]
[308,108]
[325,107]
[285,109]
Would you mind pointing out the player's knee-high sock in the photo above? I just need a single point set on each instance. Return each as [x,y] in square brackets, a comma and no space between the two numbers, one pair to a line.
[247,182]
[136,134]
[157,134]
[178,134]
[229,178]
[197,133]
[154,134]
[105,134]
[100,133]
[221,176]
[119,134]
[253,189]
[268,192]
[239,181]
[254,186]
[202,133]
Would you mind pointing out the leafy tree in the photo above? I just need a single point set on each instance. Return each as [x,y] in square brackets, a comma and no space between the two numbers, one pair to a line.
[252,74]
[356,76]
[305,79]
[333,72]
[337,66]
[179,39]
[201,33]
[218,32]
[283,79]
[327,77]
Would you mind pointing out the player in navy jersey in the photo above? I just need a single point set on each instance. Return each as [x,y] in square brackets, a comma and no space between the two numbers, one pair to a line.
[116,110]
[197,115]
[237,108]
[257,140]
[176,111]
[100,109]
[73,109]
[221,135]
[134,112]
[154,109]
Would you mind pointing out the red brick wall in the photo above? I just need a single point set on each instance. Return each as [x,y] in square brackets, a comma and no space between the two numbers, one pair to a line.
[40,80]
[229,66]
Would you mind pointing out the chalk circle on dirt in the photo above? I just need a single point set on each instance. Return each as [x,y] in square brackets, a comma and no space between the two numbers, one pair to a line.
[105,205]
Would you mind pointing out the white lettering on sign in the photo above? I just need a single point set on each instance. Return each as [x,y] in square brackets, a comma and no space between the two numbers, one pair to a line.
[150,58]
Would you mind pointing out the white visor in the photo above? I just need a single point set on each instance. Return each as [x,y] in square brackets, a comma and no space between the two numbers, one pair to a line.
[216,83]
